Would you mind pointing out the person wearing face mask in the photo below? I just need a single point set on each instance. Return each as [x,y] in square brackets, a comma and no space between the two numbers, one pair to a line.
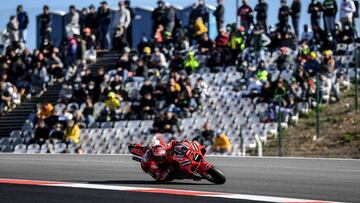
[347,10]
[315,9]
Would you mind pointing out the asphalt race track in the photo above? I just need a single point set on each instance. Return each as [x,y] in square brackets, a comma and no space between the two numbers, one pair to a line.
[313,179]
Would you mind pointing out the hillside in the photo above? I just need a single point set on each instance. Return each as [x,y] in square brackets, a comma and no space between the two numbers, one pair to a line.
[340,133]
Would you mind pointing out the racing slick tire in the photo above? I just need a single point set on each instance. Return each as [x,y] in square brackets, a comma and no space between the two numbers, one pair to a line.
[215,176]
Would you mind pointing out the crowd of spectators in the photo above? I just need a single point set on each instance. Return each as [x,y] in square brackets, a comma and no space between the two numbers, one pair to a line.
[151,81]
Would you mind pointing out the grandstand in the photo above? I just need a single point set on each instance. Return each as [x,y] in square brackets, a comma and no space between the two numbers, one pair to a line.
[237,95]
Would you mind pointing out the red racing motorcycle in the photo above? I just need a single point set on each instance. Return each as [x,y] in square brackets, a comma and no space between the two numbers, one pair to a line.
[188,160]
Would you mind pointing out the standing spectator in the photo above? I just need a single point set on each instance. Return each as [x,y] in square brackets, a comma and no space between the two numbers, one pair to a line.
[13,30]
[158,15]
[315,9]
[104,17]
[347,10]
[219,15]
[45,24]
[284,13]
[246,15]
[199,11]
[356,15]
[130,27]
[295,16]
[82,20]
[91,20]
[329,14]
[122,20]
[169,18]
[259,41]
[23,20]
[261,16]
[72,26]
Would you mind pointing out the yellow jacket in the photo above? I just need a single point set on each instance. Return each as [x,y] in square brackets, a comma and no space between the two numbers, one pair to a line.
[73,134]
[112,103]
[200,27]
[222,141]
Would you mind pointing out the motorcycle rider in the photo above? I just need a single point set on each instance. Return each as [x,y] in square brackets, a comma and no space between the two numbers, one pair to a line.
[157,162]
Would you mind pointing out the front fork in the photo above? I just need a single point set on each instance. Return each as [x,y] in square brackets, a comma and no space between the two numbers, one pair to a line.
[203,167]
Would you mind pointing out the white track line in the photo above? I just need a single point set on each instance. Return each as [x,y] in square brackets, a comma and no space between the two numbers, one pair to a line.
[257,198]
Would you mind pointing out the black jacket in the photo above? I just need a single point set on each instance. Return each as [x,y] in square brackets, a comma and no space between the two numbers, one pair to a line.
[219,13]
[296,9]
[261,10]
[315,13]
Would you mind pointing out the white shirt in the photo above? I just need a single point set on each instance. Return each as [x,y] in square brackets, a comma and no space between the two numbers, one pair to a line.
[347,9]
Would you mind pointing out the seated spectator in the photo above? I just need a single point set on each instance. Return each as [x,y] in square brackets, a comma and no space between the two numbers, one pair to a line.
[312,66]
[40,77]
[307,34]
[57,132]
[347,34]
[72,132]
[112,104]
[328,64]
[222,40]
[191,64]
[221,143]
[187,100]
[283,62]
[205,44]
[171,123]
[148,106]
[200,90]
[56,66]
[41,132]
[88,111]
[46,110]
[206,135]
[262,73]
[5,102]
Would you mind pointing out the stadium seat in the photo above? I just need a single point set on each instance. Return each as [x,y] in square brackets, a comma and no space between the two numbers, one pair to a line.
[33,148]
[16,134]
[20,149]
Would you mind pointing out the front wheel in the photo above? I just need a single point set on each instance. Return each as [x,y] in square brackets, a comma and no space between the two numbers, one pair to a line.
[215,176]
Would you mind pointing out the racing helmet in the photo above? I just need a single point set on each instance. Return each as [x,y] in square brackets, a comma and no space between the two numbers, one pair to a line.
[159,153]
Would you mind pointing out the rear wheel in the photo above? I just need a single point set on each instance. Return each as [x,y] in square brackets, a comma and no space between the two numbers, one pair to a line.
[215,176]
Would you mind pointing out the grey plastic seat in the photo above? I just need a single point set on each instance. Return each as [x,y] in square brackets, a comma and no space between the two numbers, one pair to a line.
[59,147]
[4,141]
[7,149]
[20,149]
[16,140]
[106,125]
[33,148]
[16,133]
[120,124]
